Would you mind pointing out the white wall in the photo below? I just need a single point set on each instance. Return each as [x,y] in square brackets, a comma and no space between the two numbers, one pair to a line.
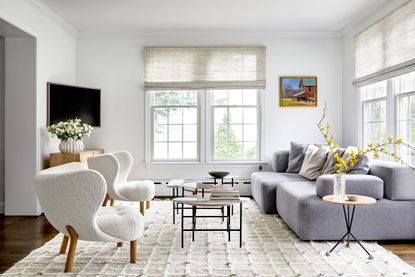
[115,64]
[350,98]
[1,125]
[20,125]
[55,61]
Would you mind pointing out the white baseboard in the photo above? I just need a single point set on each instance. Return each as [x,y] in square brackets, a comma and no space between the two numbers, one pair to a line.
[1,207]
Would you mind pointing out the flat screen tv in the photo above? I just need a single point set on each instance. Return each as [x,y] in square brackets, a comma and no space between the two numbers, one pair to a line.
[70,102]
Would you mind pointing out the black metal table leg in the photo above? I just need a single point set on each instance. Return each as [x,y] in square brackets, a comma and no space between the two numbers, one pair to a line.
[193,222]
[182,227]
[229,222]
[177,194]
[174,208]
[240,224]
[223,214]
[349,223]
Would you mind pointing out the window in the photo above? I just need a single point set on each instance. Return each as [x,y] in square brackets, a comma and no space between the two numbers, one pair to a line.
[175,125]
[404,87]
[203,103]
[235,124]
[231,134]
[388,110]
[374,113]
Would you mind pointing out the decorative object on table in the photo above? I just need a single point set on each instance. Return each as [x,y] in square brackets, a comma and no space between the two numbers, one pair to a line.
[218,174]
[349,216]
[70,133]
[298,91]
[225,195]
[355,160]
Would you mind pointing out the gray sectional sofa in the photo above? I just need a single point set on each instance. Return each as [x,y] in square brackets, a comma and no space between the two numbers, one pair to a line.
[299,202]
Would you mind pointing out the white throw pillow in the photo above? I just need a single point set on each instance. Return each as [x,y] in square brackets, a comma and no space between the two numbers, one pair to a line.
[314,160]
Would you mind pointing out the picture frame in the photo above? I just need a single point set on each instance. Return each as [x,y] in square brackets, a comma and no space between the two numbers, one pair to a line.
[298,91]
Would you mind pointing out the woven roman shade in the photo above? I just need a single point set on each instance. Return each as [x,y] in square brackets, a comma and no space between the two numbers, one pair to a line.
[387,48]
[204,67]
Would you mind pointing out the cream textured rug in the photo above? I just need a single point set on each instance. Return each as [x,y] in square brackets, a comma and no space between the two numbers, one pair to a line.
[269,248]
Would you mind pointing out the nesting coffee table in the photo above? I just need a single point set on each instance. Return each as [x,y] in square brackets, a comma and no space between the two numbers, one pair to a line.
[201,202]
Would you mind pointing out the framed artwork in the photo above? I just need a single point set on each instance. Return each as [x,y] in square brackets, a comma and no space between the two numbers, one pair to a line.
[298,91]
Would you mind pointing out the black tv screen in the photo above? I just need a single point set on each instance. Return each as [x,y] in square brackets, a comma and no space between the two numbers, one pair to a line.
[70,102]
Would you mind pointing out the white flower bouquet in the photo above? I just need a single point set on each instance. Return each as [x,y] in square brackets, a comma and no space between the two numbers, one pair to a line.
[71,129]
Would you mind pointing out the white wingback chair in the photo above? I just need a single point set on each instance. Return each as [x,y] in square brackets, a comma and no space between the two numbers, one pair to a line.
[71,195]
[115,167]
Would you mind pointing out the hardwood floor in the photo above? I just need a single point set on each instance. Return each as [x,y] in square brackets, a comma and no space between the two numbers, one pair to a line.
[20,235]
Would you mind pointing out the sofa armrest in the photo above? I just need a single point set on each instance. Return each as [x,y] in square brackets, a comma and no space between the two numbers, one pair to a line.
[366,185]
[280,161]
[399,180]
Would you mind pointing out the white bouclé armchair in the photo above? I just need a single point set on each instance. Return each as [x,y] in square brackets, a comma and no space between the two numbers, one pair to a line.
[71,195]
[115,167]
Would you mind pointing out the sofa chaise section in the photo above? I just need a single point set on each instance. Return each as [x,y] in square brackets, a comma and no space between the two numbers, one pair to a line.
[313,219]
[264,186]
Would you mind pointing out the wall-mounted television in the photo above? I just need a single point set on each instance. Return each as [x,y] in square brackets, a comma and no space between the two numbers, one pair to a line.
[69,102]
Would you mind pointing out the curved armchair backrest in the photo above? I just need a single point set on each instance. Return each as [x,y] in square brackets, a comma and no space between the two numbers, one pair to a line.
[125,161]
[71,194]
[109,167]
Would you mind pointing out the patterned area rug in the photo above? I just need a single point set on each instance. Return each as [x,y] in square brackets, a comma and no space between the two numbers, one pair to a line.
[269,248]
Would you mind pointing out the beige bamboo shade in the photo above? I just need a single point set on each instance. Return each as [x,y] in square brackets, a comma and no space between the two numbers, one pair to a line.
[387,48]
[204,67]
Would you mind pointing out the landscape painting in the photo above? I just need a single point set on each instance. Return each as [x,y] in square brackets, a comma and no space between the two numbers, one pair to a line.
[298,91]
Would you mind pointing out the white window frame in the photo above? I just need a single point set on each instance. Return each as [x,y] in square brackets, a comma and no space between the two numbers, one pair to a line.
[372,101]
[205,132]
[392,113]
[210,128]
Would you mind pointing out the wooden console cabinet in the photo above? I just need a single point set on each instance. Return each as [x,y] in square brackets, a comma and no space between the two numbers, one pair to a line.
[63,158]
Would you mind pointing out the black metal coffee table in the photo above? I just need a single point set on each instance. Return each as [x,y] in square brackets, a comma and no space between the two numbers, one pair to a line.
[196,202]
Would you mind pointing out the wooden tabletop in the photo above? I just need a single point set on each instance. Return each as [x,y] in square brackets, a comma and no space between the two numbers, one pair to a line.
[360,200]
[206,202]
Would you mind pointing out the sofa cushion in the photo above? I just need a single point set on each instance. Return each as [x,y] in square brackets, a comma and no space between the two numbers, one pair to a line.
[280,161]
[314,160]
[399,181]
[355,184]
[363,164]
[296,157]
[264,185]
[328,167]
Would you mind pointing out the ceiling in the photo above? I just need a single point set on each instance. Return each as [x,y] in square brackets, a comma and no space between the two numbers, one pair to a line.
[210,15]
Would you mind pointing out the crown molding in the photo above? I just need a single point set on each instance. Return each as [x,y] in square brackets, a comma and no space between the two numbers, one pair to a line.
[59,19]
[359,20]
[204,33]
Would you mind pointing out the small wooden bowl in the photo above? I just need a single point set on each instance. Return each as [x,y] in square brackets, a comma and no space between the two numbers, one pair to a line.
[352,197]
[218,174]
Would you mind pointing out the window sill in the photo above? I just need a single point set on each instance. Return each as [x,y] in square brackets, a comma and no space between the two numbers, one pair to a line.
[205,164]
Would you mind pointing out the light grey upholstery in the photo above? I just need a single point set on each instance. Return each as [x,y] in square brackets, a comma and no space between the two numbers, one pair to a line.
[356,184]
[280,161]
[399,180]
[264,185]
[299,204]
[312,219]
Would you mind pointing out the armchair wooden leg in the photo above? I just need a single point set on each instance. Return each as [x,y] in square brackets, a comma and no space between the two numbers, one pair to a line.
[112,202]
[133,251]
[148,204]
[142,207]
[107,197]
[64,245]
[72,248]
[119,244]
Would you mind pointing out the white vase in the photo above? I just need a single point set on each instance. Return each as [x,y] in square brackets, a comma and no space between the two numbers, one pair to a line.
[339,186]
[71,146]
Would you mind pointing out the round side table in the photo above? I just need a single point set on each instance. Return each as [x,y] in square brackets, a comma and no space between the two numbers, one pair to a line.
[348,217]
